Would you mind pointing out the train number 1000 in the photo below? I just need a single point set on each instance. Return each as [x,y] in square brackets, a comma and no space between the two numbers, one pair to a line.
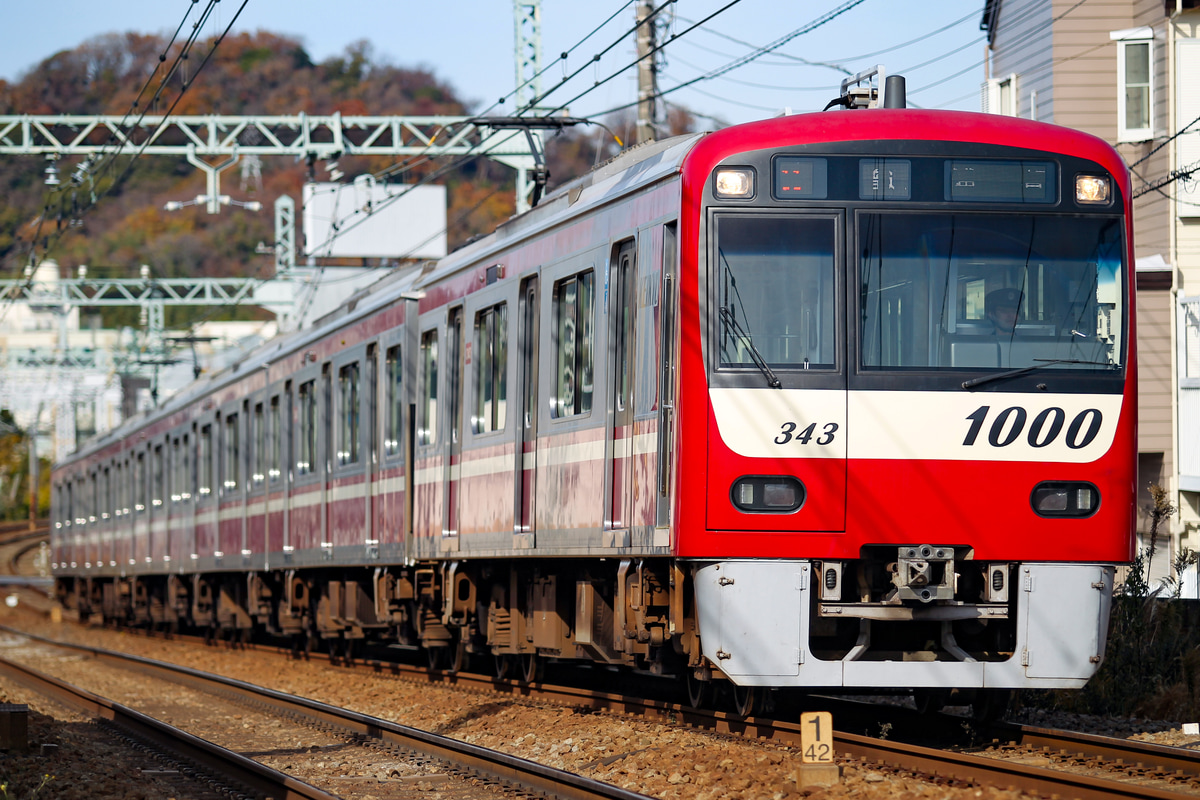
[1008,425]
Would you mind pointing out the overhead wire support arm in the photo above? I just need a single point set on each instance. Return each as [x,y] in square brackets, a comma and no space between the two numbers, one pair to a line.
[95,292]
[219,135]
[536,146]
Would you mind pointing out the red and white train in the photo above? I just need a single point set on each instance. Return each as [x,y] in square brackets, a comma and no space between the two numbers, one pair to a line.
[831,400]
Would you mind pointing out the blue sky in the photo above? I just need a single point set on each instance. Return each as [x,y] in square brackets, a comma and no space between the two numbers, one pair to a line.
[471,47]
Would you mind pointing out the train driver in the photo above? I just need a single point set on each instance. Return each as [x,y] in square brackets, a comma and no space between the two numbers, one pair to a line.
[1000,308]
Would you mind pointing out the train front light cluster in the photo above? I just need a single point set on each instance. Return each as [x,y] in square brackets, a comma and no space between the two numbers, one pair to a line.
[1065,499]
[734,183]
[765,494]
[1092,189]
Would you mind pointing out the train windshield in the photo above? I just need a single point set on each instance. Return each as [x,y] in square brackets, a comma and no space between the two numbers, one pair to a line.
[775,278]
[990,291]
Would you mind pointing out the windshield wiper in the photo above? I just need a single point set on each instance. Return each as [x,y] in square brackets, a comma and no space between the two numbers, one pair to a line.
[1012,373]
[755,356]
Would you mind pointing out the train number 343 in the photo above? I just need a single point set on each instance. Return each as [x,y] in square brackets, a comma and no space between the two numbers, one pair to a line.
[1008,425]
[787,432]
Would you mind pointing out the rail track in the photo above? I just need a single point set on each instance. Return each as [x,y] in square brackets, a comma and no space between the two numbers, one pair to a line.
[235,774]
[1025,758]
[458,758]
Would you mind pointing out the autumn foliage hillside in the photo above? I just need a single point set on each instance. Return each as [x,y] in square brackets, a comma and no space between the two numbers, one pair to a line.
[263,73]
[260,73]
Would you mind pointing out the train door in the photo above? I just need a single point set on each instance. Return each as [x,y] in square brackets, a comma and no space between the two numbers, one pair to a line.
[454,419]
[256,503]
[619,450]
[277,469]
[349,482]
[305,507]
[185,544]
[525,478]
[795,421]
[428,467]
[666,387]
[370,445]
[106,517]
[392,520]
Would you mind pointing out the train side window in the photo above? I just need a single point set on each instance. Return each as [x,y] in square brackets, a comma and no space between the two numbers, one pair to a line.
[81,500]
[258,442]
[491,369]
[204,462]
[139,483]
[275,470]
[105,495]
[427,425]
[186,484]
[308,429]
[574,301]
[394,400]
[175,491]
[346,446]
[157,493]
[231,477]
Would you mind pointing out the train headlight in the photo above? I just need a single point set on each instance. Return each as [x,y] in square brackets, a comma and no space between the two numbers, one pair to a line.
[734,183]
[767,494]
[1092,189]
[1065,499]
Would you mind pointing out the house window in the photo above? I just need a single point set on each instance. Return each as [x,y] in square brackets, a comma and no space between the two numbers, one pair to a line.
[1135,84]
[1000,96]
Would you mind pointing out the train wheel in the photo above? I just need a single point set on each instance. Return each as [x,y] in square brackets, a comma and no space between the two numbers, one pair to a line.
[437,657]
[991,704]
[302,644]
[533,669]
[699,692]
[930,701]
[459,657]
[746,700]
[501,666]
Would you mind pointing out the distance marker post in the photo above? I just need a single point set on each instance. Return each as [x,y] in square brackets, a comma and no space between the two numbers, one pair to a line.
[817,767]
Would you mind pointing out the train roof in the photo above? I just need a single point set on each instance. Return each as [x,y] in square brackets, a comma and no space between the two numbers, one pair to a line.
[629,171]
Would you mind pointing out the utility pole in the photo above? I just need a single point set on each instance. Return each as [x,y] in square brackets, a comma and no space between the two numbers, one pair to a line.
[647,73]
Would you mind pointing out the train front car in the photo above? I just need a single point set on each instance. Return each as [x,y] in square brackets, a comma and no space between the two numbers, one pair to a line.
[916,386]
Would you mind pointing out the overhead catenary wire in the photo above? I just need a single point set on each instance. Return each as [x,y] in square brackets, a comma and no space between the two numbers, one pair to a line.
[423,158]
[102,161]
[95,198]
[1020,43]
[739,62]
[116,181]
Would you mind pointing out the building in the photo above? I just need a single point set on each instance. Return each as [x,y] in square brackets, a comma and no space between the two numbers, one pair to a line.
[1128,71]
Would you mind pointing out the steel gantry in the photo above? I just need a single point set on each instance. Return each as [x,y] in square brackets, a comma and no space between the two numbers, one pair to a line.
[299,136]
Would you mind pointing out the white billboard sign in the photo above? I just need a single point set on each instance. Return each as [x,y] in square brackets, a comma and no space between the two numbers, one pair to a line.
[372,220]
